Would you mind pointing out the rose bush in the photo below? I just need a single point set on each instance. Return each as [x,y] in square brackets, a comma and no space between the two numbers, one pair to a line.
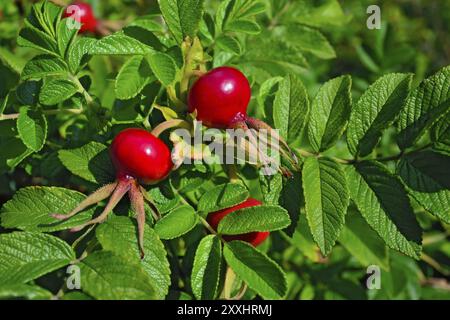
[363,148]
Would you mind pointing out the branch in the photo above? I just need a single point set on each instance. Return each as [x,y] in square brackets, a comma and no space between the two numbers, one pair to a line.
[46,112]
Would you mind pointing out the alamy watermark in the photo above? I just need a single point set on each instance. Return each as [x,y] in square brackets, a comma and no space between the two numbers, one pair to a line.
[230,146]
[74,13]
[73,281]
[373,281]
[374,20]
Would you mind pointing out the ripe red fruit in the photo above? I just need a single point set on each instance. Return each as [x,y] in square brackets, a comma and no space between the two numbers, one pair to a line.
[139,154]
[220,97]
[83,14]
[254,238]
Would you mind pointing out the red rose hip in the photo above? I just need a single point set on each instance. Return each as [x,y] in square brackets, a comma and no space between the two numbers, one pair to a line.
[220,97]
[82,12]
[254,238]
[139,154]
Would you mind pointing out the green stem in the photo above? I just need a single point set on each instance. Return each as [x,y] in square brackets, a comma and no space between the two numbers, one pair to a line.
[81,89]
[395,157]
[80,238]
[46,112]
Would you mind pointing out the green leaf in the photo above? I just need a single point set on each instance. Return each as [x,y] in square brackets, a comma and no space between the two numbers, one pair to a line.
[56,91]
[221,14]
[119,44]
[145,31]
[326,200]
[245,9]
[303,240]
[52,15]
[30,292]
[238,16]
[189,180]
[36,39]
[330,111]
[273,56]
[306,39]
[27,92]
[90,162]
[427,177]
[363,243]
[441,130]
[13,151]
[78,51]
[14,61]
[424,106]
[291,108]
[163,67]
[260,273]
[221,197]
[328,13]
[43,66]
[25,256]
[32,128]
[119,234]
[271,187]
[176,223]
[162,202]
[182,17]
[266,88]
[382,200]
[107,276]
[376,110]
[64,35]
[206,269]
[258,218]
[30,209]
[229,44]
[291,198]
[132,78]
[244,26]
